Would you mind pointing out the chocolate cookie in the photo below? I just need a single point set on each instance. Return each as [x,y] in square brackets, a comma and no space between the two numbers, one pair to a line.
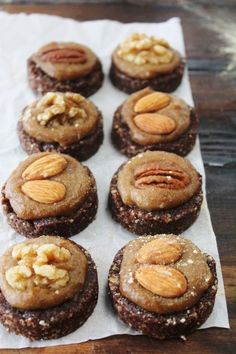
[50,194]
[163,286]
[151,120]
[142,61]
[61,122]
[156,192]
[65,67]
[49,288]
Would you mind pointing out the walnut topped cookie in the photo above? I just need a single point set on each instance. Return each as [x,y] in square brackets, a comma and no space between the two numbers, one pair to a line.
[61,122]
[156,192]
[65,66]
[44,282]
[152,120]
[50,194]
[142,61]
[163,285]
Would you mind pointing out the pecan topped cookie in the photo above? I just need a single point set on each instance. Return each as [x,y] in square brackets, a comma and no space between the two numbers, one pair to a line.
[65,61]
[65,66]
[142,60]
[50,194]
[157,180]
[152,120]
[61,122]
[156,192]
[163,285]
[43,281]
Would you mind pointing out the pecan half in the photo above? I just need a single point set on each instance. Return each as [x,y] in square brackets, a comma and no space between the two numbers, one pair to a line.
[160,175]
[64,55]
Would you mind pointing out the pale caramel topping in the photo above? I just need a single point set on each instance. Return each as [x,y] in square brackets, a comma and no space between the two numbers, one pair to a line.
[63,118]
[65,61]
[57,195]
[161,125]
[42,272]
[157,180]
[142,56]
[164,288]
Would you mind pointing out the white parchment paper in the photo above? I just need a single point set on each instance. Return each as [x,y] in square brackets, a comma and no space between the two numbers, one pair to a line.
[20,36]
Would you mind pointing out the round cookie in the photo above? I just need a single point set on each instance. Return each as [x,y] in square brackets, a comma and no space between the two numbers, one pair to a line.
[162,286]
[50,194]
[155,192]
[64,67]
[151,120]
[61,122]
[142,61]
[49,287]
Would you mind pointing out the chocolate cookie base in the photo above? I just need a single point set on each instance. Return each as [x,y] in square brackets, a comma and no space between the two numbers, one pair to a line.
[56,321]
[156,325]
[86,85]
[143,222]
[65,226]
[162,82]
[81,150]
[121,138]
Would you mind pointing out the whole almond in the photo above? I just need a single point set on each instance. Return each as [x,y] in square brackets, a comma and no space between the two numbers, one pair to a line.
[45,191]
[45,167]
[154,123]
[162,280]
[160,251]
[152,102]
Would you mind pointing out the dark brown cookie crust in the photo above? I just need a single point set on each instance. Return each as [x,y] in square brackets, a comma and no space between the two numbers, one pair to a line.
[65,226]
[81,150]
[122,140]
[143,222]
[163,82]
[56,321]
[86,85]
[157,325]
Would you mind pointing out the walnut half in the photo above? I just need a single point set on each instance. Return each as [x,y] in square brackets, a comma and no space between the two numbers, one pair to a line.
[38,265]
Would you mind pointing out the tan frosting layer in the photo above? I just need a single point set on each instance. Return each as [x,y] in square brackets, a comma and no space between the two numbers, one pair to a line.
[177,110]
[75,177]
[65,61]
[20,266]
[192,264]
[144,57]
[157,180]
[64,118]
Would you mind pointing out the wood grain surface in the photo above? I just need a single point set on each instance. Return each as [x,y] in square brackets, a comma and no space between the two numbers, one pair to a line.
[210,40]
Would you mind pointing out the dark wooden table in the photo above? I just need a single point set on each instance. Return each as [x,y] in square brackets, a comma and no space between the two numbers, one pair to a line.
[210,33]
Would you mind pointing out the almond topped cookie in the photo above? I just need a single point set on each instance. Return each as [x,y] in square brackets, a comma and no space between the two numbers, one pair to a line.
[152,120]
[142,60]
[62,122]
[65,66]
[156,192]
[48,287]
[50,194]
[163,285]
